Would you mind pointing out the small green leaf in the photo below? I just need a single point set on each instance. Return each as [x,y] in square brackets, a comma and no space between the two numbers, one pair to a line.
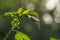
[15,22]
[8,14]
[11,14]
[20,10]
[21,36]
[20,15]
[26,11]
[33,17]
[34,14]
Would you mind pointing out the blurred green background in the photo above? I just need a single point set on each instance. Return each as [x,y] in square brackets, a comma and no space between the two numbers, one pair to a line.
[48,30]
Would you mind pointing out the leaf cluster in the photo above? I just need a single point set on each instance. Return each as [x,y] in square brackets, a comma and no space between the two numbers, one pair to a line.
[16,18]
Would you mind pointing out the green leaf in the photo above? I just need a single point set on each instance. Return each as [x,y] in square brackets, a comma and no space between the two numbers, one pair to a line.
[8,14]
[20,15]
[11,14]
[34,18]
[20,10]
[52,38]
[21,36]
[34,14]
[15,22]
[26,12]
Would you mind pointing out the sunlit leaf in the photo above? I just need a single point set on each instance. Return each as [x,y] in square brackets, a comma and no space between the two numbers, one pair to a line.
[20,15]
[15,22]
[34,14]
[21,36]
[20,10]
[33,17]
[52,38]
[26,11]
[36,20]
[11,14]
[8,14]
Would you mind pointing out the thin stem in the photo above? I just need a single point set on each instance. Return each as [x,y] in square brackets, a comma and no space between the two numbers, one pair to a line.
[5,38]
[10,30]
[7,35]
